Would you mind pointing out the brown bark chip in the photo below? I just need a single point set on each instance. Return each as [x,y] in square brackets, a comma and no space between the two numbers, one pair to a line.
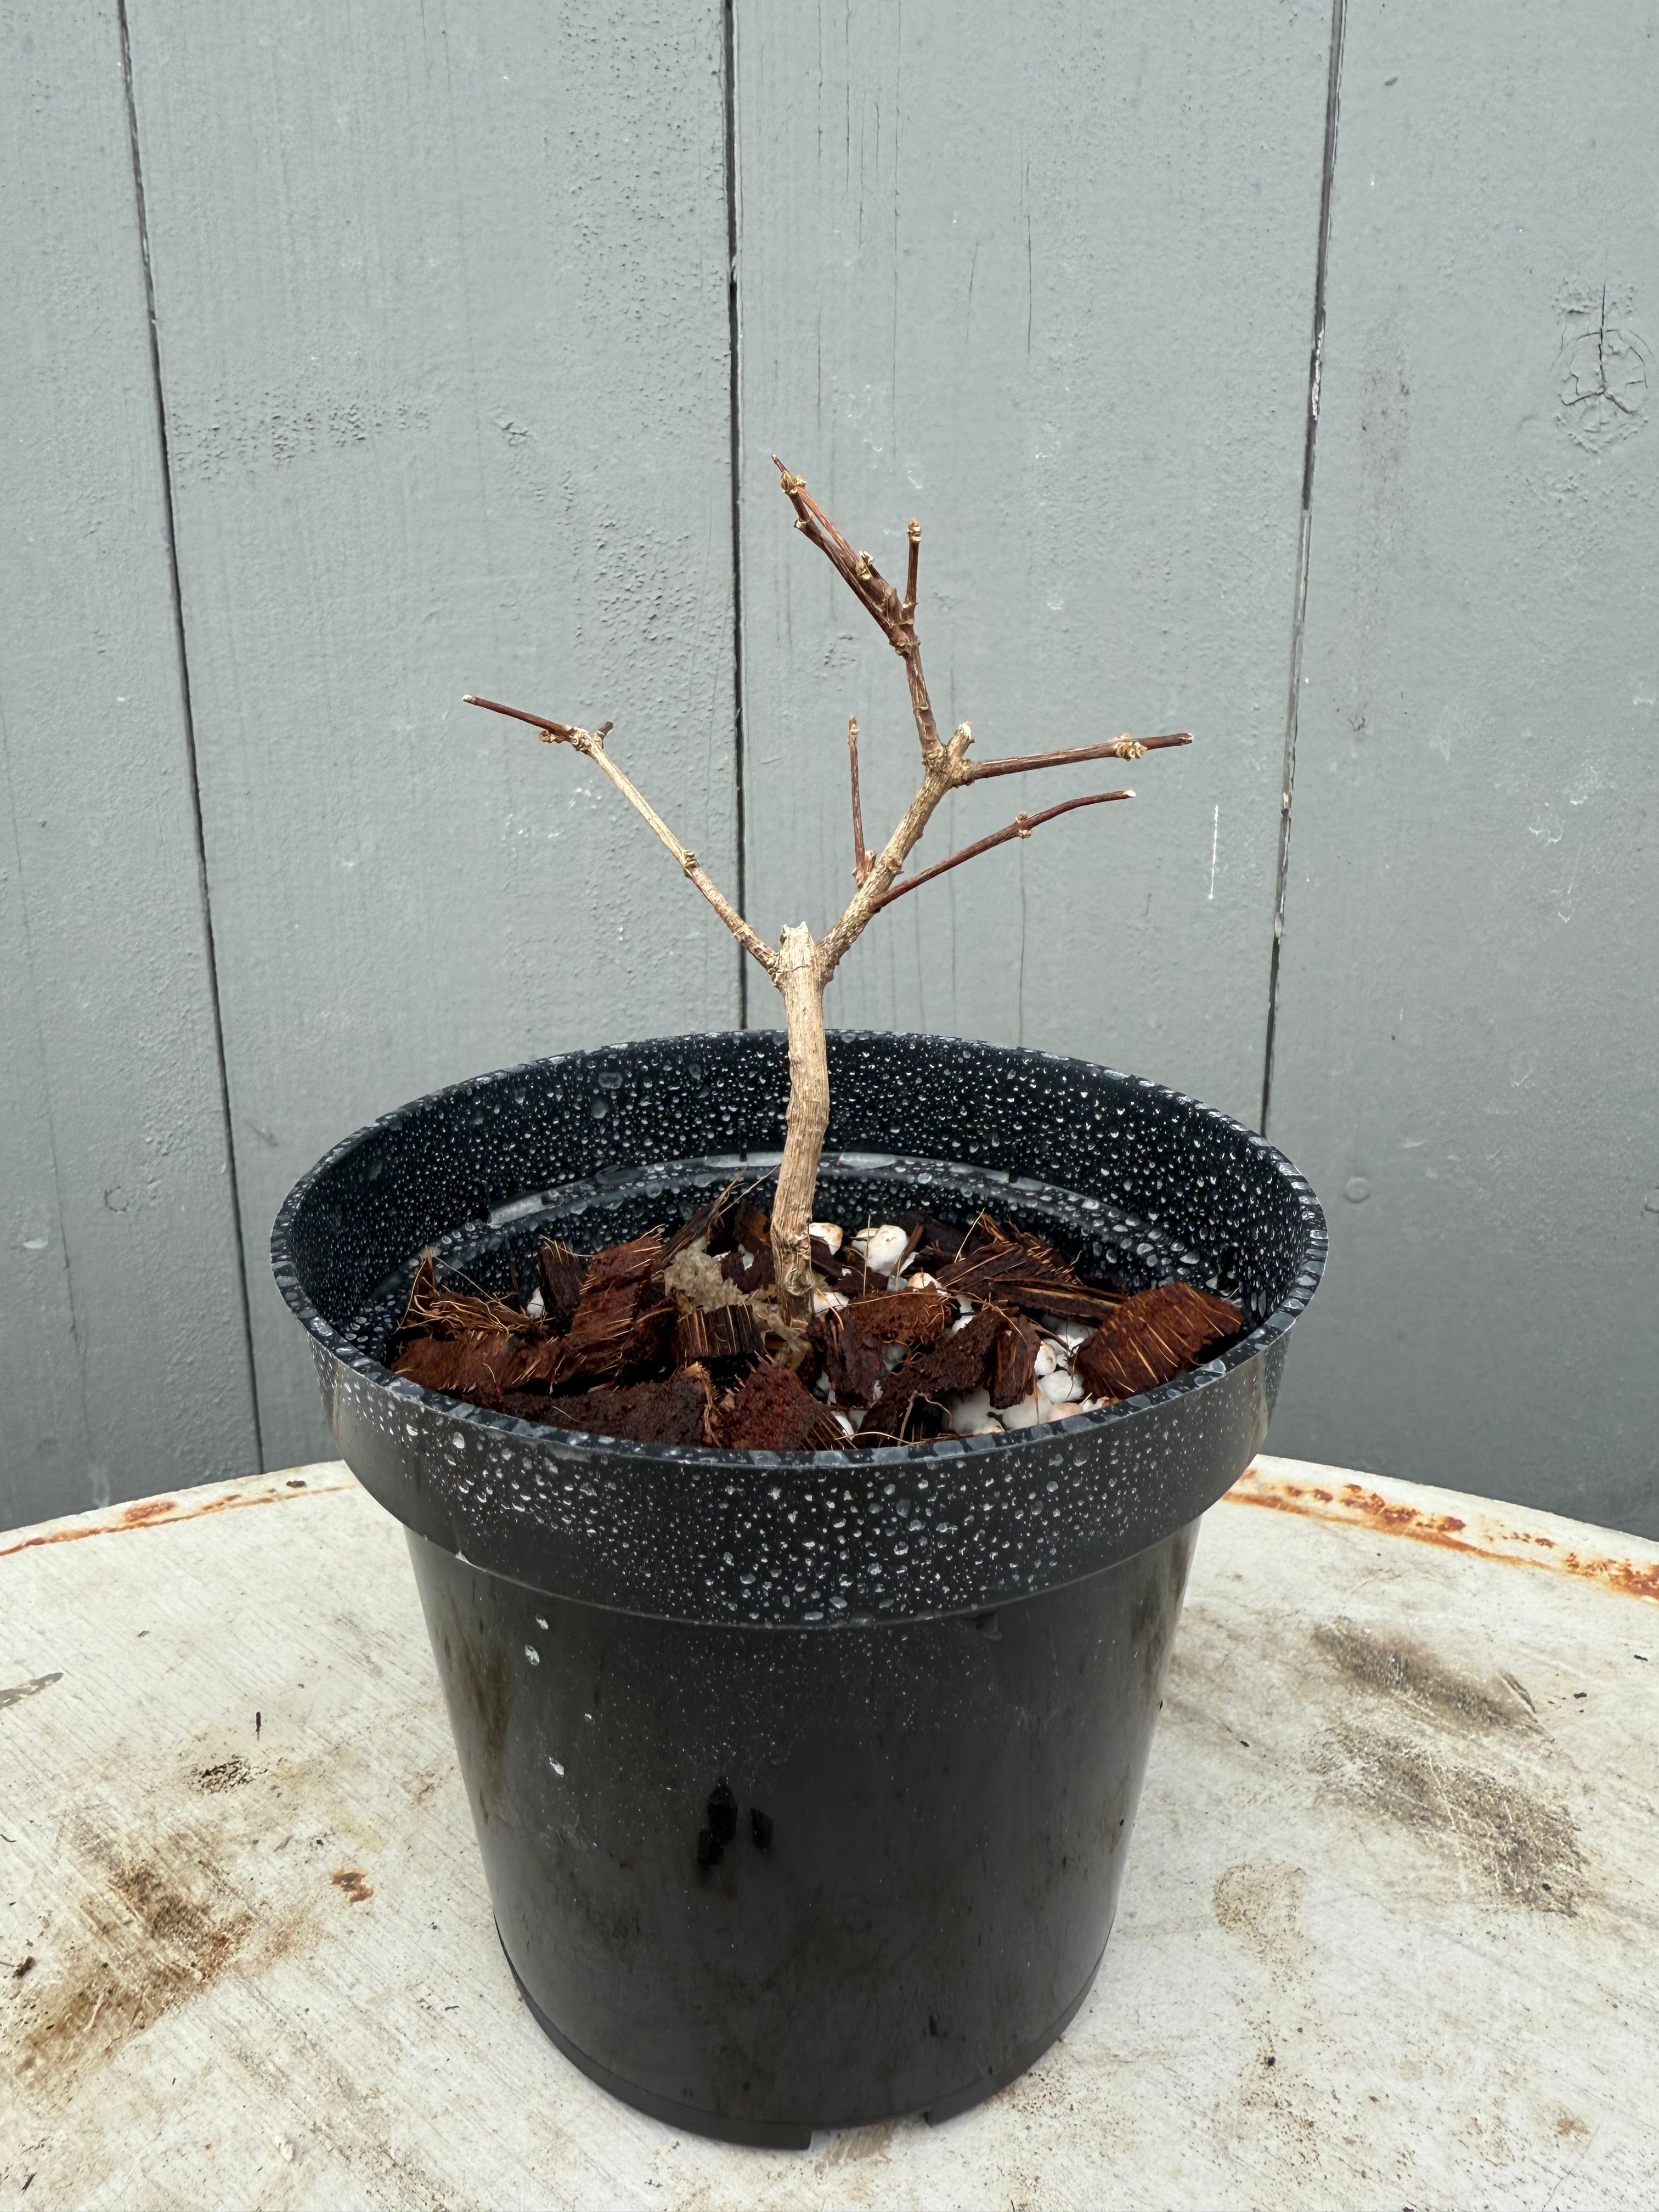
[441,1311]
[1014,1369]
[960,1361]
[623,1321]
[474,1367]
[1015,1268]
[560,1275]
[671,1412]
[754,1273]
[718,1333]
[1150,1338]
[768,1410]
[912,1317]
[848,1356]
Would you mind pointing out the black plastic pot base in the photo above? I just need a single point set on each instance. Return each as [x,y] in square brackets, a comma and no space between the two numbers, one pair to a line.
[950,2108]
[787,2134]
[755,2134]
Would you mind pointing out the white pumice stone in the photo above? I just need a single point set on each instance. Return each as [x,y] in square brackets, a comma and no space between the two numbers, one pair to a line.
[828,1301]
[535,1306]
[970,1412]
[921,1280]
[883,1248]
[964,1314]
[1023,1415]
[1046,1359]
[1060,1389]
[1073,1332]
[854,1417]
[827,1232]
[894,1355]
[842,1420]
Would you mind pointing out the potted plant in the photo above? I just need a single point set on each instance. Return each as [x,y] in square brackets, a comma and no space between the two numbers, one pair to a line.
[803,1698]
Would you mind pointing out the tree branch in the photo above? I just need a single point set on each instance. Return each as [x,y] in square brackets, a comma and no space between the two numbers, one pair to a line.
[875,594]
[1124,748]
[860,858]
[1021,826]
[591,743]
[857,570]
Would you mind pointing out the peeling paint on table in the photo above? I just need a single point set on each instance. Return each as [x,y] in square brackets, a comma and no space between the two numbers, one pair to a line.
[1381,1941]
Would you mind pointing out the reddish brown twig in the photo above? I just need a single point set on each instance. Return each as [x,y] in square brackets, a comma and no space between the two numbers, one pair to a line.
[860,857]
[908,610]
[536,721]
[1021,826]
[865,581]
[1124,748]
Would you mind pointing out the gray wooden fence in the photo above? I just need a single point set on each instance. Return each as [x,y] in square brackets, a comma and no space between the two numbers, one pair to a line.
[1287,373]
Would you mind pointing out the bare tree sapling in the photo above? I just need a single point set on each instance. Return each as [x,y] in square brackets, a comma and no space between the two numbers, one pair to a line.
[800,966]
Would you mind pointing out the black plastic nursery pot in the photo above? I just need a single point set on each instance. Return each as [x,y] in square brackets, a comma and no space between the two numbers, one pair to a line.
[803,1781]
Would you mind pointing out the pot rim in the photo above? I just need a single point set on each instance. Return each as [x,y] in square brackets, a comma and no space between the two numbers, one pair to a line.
[710,1458]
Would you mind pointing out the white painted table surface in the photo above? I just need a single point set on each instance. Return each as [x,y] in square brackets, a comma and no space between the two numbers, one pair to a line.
[1387,1936]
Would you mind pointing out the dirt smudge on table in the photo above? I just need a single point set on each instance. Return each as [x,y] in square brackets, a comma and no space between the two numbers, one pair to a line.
[854,2145]
[351,1881]
[19,1691]
[232,1774]
[1513,1845]
[156,1925]
[1260,1903]
[1395,1667]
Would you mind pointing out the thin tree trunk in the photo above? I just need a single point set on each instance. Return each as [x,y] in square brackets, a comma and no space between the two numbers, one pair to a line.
[801,981]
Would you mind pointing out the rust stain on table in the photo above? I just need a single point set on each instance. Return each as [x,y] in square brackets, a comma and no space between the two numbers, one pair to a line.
[168,1510]
[1354,1506]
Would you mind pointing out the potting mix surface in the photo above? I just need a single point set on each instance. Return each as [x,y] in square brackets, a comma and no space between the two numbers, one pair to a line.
[918,1328]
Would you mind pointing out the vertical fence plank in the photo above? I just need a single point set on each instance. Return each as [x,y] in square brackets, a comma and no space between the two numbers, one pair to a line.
[442,301]
[123,1351]
[1465,1059]
[1045,279]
